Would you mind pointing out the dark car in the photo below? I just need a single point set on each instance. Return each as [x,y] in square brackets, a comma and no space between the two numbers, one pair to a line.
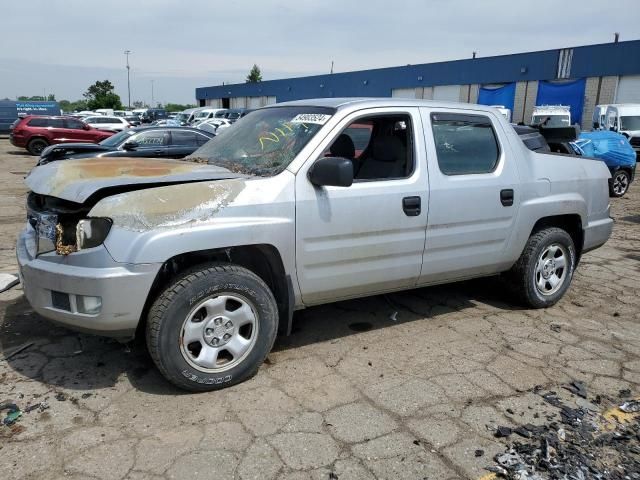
[37,133]
[153,114]
[236,113]
[150,142]
[134,120]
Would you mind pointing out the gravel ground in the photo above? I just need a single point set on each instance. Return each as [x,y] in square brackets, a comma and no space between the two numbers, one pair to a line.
[352,393]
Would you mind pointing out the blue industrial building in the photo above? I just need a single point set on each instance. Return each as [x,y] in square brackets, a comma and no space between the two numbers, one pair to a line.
[581,77]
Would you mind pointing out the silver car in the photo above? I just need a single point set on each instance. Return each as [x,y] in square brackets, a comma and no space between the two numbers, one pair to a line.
[300,204]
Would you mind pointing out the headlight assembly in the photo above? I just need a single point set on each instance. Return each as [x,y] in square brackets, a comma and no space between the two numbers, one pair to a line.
[91,232]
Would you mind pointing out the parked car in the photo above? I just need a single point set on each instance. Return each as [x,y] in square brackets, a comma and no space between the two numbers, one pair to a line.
[36,133]
[551,116]
[625,119]
[211,260]
[133,120]
[153,114]
[617,154]
[205,114]
[236,113]
[148,142]
[103,122]
[214,125]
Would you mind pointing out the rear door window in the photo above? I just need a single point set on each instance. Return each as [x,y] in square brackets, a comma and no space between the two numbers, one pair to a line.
[465,144]
[184,138]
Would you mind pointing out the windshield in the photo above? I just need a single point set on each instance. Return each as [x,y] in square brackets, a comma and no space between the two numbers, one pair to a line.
[264,142]
[201,114]
[221,114]
[552,120]
[182,117]
[630,123]
[118,138]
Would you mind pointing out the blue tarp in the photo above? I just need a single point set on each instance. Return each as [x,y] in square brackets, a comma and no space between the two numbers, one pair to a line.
[611,147]
[565,93]
[498,96]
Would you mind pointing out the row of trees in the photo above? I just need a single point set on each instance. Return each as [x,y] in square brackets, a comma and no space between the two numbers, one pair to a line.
[102,95]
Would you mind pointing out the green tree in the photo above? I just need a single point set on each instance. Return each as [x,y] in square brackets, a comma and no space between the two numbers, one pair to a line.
[102,95]
[76,106]
[254,75]
[37,98]
[177,107]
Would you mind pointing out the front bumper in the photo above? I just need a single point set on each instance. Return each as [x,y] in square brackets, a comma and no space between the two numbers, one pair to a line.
[56,286]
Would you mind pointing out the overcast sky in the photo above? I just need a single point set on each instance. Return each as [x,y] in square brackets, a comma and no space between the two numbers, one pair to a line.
[63,46]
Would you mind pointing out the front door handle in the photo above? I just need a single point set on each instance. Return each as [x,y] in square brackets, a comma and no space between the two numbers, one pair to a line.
[411,206]
[506,197]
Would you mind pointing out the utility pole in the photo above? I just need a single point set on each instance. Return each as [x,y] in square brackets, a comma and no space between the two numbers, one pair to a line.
[127,53]
[153,104]
[332,66]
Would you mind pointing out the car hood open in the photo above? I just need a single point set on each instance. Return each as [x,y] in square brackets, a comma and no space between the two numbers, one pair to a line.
[77,180]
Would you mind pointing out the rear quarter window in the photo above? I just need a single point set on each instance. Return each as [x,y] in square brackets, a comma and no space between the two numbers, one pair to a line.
[465,144]
[39,122]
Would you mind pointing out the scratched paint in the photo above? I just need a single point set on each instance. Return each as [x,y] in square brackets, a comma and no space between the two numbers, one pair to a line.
[170,206]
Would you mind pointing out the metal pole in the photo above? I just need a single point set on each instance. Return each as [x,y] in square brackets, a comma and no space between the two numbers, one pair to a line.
[127,52]
[152,101]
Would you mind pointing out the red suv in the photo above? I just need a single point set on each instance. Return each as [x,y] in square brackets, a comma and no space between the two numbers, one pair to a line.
[36,133]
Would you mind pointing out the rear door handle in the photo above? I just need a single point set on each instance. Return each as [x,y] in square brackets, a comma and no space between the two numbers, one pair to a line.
[411,206]
[506,197]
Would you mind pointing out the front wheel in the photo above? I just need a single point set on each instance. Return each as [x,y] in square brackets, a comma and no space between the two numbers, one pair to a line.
[543,273]
[212,328]
[619,183]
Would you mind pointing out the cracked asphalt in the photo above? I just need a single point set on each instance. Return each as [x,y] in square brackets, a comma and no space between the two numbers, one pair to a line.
[395,386]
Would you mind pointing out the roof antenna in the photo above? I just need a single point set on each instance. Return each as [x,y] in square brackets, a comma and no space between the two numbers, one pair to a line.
[616,37]
[474,54]
[331,66]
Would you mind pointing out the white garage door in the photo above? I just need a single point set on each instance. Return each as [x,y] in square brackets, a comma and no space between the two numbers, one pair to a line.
[254,102]
[447,93]
[270,100]
[403,93]
[628,89]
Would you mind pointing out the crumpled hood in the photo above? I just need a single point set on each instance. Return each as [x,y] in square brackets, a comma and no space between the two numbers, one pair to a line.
[77,180]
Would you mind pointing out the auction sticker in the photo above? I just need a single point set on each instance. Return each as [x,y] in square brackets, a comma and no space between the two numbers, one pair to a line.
[317,118]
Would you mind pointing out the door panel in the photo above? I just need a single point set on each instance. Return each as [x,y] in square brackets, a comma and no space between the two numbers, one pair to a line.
[469,227]
[358,240]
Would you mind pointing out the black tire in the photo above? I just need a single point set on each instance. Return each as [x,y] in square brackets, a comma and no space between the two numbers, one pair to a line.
[175,305]
[523,276]
[37,145]
[619,183]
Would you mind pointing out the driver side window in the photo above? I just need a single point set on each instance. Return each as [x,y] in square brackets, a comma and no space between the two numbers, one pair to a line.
[380,147]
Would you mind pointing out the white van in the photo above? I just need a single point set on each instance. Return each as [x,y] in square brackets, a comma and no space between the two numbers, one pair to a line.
[599,116]
[551,115]
[624,118]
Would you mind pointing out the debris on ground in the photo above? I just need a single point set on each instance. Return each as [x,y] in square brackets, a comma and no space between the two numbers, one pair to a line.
[7,281]
[585,443]
[555,327]
[632,406]
[13,413]
[41,407]
[577,388]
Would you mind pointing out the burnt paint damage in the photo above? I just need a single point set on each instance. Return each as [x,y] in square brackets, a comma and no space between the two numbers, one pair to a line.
[168,206]
[77,180]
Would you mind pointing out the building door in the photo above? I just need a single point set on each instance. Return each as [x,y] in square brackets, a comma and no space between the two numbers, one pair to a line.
[628,89]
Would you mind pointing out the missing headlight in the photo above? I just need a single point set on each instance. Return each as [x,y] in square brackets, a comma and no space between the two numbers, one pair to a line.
[91,232]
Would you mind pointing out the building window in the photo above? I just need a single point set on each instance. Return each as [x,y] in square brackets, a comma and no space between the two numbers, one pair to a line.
[564,63]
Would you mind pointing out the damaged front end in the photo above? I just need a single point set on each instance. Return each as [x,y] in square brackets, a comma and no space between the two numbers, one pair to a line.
[62,226]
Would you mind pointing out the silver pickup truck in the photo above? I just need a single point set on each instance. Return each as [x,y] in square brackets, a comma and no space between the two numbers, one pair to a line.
[299,204]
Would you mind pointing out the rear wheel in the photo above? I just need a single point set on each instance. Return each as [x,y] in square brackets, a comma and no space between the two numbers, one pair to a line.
[543,273]
[619,184]
[37,145]
[212,328]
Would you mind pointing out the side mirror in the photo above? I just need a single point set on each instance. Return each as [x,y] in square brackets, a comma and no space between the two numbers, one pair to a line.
[596,125]
[130,145]
[86,127]
[613,129]
[332,171]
